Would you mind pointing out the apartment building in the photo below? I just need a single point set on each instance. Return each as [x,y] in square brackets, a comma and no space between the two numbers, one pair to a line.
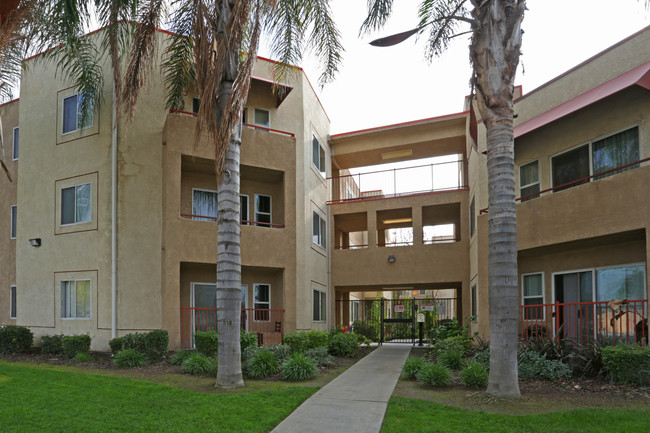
[582,165]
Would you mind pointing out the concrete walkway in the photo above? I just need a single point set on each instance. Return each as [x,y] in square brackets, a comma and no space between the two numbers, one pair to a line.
[354,402]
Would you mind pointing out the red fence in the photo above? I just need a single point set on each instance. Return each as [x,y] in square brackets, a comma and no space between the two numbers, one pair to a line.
[267,324]
[619,321]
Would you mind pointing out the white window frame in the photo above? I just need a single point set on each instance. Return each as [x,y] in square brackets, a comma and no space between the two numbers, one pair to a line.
[268,124]
[269,213]
[524,297]
[321,297]
[255,303]
[355,310]
[91,115]
[205,217]
[319,238]
[530,184]
[13,222]
[322,156]
[248,209]
[15,145]
[90,204]
[12,302]
[68,297]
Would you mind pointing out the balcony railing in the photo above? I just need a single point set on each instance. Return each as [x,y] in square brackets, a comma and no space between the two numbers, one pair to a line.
[242,222]
[398,182]
[245,125]
[619,321]
[267,324]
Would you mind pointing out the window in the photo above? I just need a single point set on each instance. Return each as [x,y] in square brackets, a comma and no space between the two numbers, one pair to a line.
[320,306]
[204,205]
[472,218]
[75,299]
[12,302]
[262,210]
[244,115]
[196,104]
[243,209]
[262,118]
[319,232]
[626,282]
[15,146]
[318,156]
[76,204]
[262,293]
[596,157]
[14,215]
[474,307]
[73,118]
[529,180]
[533,294]
[354,311]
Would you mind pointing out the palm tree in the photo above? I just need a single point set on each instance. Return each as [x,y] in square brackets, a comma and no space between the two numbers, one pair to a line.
[206,49]
[495,26]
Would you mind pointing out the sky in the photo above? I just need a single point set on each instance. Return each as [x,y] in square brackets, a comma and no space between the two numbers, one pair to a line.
[381,86]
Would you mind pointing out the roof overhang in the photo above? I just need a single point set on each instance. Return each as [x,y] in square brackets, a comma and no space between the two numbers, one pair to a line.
[279,90]
[639,76]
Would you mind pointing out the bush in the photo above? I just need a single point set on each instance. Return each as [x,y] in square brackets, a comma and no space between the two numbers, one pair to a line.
[247,339]
[316,338]
[199,364]
[343,344]
[533,366]
[262,364]
[447,328]
[367,329]
[412,367]
[135,341]
[281,352]
[206,342]
[320,356]
[52,344]
[248,353]
[156,345]
[475,375]
[297,341]
[627,363]
[82,357]
[299,367]
[74,344]
[116,345]
[451,358]
[460,343]
[15,339]
[482,357]
[179,357]
[129,358]
[434,375]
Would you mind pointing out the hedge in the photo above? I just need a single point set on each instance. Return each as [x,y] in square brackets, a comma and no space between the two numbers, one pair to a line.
[75,344]
[627,363]
[15,339]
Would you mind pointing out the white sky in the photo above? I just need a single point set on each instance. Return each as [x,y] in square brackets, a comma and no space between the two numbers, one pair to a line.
[380,86]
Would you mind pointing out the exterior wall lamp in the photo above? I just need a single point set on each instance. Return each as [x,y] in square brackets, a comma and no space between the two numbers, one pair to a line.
[391,259]
[36,242]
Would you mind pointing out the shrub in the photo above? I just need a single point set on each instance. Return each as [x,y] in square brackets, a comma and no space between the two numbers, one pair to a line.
[297,341]
[412,366]
[434,375]
[627,363]
[15,339]
[281,352]
[532,365]
[116,345]
[447,328]
[343,344]
[316,338]
[52,344]
[458,342]
[247,339]
[475,375]
[199,364]
[482,357]
[129,358]
[320,356]
[135,341]
[262,364]
[206,342]
[299,367]
[82,357]
[451,358]
[74,344]
[248,353]
[179,357]
[156,345]
[367,329]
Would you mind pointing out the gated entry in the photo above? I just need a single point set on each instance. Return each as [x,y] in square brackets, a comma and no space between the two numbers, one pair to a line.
[395,320]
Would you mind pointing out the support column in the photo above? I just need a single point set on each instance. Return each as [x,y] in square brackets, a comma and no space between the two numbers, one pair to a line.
[372,229]
[416,224]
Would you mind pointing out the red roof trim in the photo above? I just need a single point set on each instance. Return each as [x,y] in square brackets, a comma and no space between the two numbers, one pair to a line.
[9,102]
[638,76]
[394,125]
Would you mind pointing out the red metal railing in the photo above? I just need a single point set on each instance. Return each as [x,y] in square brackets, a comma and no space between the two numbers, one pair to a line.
[440,240]
[268,324]
[243,222]
[583,322]
[245,125]
[398,182]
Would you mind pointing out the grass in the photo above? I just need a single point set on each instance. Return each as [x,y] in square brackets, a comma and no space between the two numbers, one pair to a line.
[419,416]
[35,399]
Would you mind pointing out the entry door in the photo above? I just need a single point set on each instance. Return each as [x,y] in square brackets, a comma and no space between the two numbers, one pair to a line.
[575,321]
[244,307]
[204,307]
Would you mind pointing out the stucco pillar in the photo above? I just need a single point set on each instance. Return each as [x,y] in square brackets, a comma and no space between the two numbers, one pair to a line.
[416,217]
[372,229]
[647,268]
[345,240]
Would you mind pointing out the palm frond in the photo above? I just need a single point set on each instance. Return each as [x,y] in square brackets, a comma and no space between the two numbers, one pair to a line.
[283,23]
[378,13]
[443,19]
[178,65]
[325,38]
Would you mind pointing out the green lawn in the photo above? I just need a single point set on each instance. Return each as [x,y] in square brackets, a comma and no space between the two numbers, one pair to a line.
[408,415]
[38,399]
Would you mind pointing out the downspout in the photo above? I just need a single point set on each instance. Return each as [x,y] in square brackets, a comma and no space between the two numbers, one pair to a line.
[114,218]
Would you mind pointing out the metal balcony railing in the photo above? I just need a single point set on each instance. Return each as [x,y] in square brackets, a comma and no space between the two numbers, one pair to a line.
[245,125]
[242,222]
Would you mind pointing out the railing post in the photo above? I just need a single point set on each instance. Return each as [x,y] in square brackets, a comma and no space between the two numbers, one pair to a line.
[381,321]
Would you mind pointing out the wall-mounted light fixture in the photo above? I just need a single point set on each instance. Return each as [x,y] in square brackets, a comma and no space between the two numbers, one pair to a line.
[36,242]
[391,259]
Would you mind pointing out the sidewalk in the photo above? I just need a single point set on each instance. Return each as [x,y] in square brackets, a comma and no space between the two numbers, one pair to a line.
[354,402]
